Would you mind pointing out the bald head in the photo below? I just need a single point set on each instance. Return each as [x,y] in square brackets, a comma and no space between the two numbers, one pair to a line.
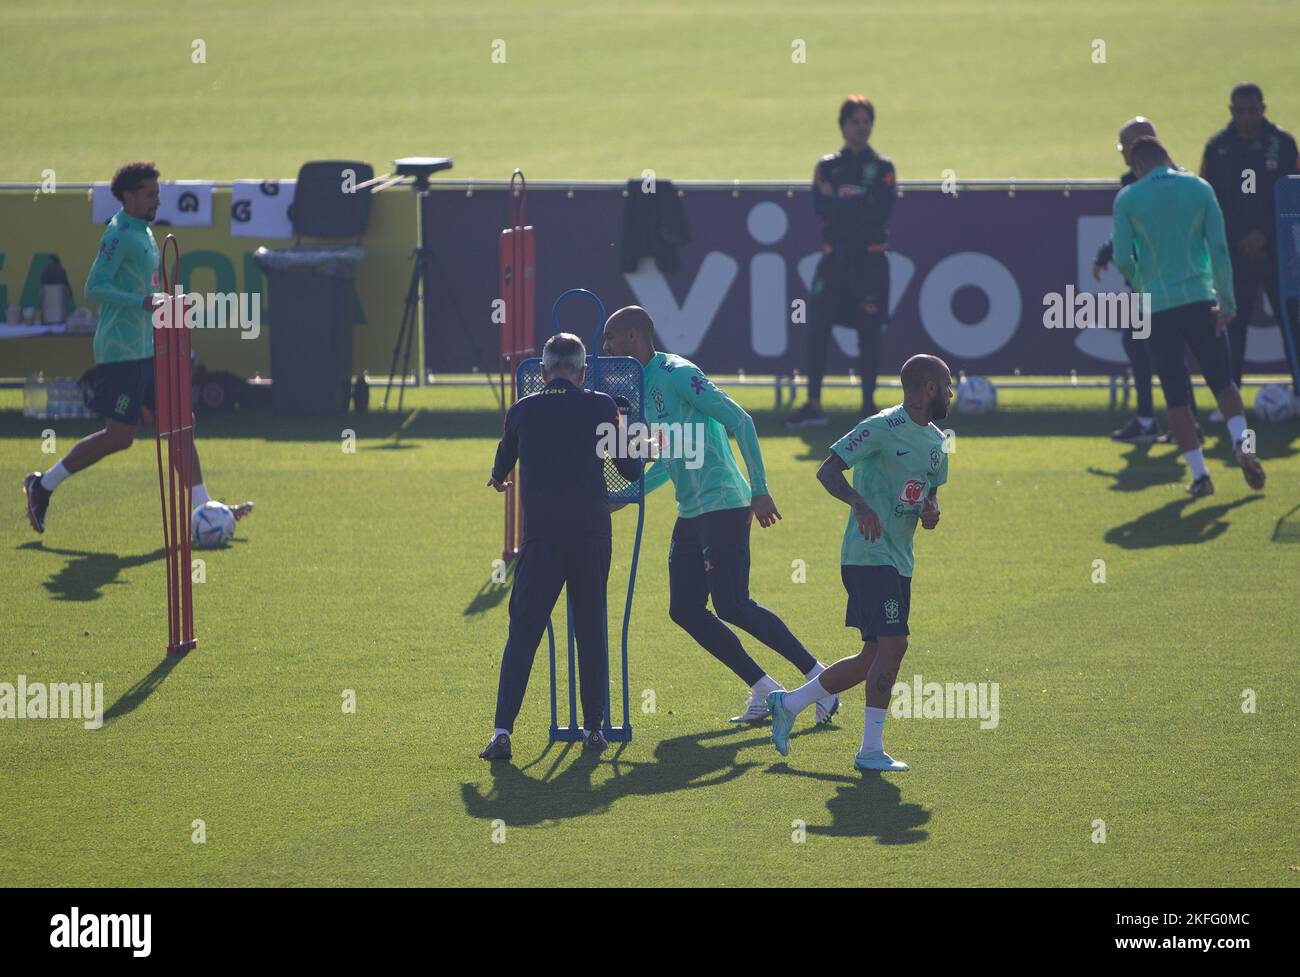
[921,368]
[927,387]
[629,332]
[632,317]
[1131,131]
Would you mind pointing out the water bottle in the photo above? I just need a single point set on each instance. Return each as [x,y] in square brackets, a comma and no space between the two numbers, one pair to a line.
[58,399]
[55,293]
[35,396]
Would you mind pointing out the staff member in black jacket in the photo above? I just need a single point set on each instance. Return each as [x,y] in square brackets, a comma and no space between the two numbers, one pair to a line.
[1249,143]
[554,435]
[853,193]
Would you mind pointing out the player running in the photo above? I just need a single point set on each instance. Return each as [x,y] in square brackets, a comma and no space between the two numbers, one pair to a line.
[898,464]
[709,555]
[123,279]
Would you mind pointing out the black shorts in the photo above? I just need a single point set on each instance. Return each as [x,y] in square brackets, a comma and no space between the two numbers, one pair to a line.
[709,557]
[851,290]
[119,390]
[1176,330]
[879,600]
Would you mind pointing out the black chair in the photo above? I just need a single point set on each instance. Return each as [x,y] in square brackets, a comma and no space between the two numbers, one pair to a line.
[323,208]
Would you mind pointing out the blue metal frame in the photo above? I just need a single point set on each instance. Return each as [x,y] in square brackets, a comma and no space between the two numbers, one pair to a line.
[634,494]
[1286,203]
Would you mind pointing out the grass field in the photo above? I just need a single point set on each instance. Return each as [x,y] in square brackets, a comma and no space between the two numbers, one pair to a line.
[602,90]
[370,571]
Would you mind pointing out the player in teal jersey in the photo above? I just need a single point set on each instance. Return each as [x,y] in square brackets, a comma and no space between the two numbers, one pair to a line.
[690,419]
[123,279]
[898,462]
[1170,243]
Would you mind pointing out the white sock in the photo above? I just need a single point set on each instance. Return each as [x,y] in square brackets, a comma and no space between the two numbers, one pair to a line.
[1196,459]
[765,685]
[1146,421]
[51,479]
[813,672]
[804,696]
[873,735]
[499,731]
[198,495]
[1236,427]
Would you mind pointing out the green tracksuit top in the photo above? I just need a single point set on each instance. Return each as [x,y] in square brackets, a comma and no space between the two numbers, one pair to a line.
[895,463]
[125,272]
[1169,241]
[686,411]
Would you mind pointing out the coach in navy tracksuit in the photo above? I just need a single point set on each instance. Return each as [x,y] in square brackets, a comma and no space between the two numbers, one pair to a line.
[554,435]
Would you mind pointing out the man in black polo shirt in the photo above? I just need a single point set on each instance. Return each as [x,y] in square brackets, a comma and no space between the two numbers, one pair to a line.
[554,435]
[1243,162]
[853,194]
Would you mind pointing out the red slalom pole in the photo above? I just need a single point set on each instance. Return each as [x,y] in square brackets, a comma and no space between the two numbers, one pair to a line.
[174,421]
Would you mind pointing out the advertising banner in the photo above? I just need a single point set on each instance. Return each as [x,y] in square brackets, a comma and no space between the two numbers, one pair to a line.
[973,277]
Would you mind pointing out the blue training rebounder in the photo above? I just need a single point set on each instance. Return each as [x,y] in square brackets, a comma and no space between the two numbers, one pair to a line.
[621,377]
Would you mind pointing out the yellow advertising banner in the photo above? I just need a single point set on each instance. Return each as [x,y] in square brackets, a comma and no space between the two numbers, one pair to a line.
[34,226]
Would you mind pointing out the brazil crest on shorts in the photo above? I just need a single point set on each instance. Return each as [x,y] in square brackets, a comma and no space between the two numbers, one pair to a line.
[895,463]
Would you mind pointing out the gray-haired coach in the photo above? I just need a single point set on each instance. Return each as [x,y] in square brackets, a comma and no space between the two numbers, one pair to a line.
[554,436]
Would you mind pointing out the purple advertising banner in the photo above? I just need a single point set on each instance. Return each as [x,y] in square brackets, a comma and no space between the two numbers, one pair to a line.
[972,279]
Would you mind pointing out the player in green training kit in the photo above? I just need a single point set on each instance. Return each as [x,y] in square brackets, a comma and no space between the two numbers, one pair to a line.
[124,279]
[898,464]
[709,555]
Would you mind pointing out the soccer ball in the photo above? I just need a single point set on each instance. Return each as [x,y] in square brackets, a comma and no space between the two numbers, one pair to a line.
[213,524]
[976,395]
[1275,403]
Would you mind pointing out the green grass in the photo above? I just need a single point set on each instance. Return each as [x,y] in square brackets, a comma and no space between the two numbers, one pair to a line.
[603,89]
[370,572]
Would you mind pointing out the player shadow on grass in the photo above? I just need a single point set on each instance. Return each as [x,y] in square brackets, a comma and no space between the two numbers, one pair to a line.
[491,593]
[865,805]
[681,763]
[84,576]
[1144,468]
[1170,525]
[142,689]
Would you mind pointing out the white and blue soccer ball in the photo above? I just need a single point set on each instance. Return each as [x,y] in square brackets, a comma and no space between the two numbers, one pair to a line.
[976,395]
[213,524]
[1275,403]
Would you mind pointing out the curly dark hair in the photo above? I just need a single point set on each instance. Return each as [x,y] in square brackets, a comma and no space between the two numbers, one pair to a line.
[130,176]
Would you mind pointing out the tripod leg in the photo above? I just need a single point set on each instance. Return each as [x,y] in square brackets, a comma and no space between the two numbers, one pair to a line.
[412,302]
[412,322]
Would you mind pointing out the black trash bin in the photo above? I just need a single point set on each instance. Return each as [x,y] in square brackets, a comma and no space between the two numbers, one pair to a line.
[310,300]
